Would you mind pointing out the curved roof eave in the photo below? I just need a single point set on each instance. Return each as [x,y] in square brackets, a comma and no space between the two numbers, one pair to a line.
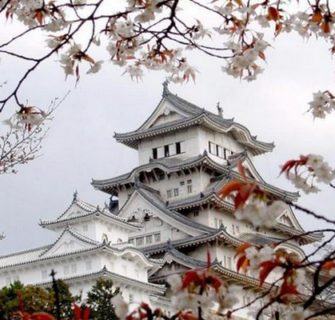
[131,138]
[55,223]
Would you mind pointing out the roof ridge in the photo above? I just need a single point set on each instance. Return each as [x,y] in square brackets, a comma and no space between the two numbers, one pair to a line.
[73,233]
[174,214]
[23,251]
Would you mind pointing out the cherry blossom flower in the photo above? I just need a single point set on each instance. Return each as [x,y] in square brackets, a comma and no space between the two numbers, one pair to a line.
[322,104]
[121,307]
[316,169]
[296,313]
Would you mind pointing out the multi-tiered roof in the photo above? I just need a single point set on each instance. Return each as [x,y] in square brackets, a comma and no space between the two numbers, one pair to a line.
[194,116]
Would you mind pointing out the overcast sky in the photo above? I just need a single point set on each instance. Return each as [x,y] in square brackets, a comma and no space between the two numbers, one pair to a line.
[80,144]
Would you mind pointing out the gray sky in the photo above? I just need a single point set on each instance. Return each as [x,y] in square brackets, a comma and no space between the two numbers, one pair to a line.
[80,144]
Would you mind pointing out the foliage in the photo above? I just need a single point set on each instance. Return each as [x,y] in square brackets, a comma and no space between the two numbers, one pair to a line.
[9,300]
[66,299]
[35,299]
[99,300]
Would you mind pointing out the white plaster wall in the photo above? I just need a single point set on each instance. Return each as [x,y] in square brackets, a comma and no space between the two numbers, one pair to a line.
[123,196]
[114,233]
[39,272]
[74,266]
[174,181]
[125,267]
[222,139]
[188,136]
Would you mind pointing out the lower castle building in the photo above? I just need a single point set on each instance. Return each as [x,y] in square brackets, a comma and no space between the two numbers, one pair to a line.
[163,215]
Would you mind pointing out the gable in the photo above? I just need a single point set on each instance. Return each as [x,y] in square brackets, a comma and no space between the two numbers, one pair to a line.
[68,243]
[250,170]
[139,209]
[164,113]
[169,268]
[75,210]
[288,219]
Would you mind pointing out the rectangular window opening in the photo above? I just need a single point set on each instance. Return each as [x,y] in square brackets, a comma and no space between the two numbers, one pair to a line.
[166,151]
[178,148]
[154,153]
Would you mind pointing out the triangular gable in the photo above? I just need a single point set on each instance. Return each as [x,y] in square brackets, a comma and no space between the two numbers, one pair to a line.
[68,242]
[76,209]
[165,112]
[250,169]
[173,262]
[138,206]
[289,219]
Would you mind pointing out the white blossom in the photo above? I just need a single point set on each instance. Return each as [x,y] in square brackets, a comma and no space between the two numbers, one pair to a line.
[95,67]
[295,313]
[121,307]
[259,213]
[175,282]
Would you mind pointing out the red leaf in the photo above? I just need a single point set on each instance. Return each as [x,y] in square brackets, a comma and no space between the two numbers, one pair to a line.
[77,312]
[242,263]
[86,313]
[317,16]
[230,187]
[273,14]
[191,277]
[214,282]
[288,288]
[241,170]
[42,316]
[328,265]
[242,248]
[265,268]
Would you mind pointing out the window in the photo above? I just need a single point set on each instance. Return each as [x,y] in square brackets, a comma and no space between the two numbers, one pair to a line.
[182,183]
[139,241]
[178,148]
[189,188]
[154,153]
[211,147]
[219,150]
[148,239]
[196,213]
[176,192]
[215,222]
[169,194]
[131,298]
[233,227]
[225,261]
[157,237]
[166,151]
[237,229]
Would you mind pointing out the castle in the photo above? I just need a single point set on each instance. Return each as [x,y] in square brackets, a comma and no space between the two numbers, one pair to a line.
[164,215]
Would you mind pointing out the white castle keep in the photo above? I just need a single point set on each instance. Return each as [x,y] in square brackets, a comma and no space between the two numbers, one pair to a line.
[164,214]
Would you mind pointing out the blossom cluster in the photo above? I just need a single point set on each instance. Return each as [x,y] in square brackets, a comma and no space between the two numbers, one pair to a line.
[304,171]
[152,34]
[322,104]
[251,202]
